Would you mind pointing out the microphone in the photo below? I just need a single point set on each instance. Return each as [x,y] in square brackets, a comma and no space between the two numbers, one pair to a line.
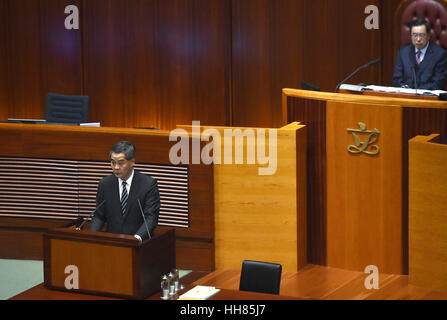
[369,64]
[90,216]
[144,218]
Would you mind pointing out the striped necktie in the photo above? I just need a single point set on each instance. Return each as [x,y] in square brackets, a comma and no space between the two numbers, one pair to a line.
[124,197]
[418,56]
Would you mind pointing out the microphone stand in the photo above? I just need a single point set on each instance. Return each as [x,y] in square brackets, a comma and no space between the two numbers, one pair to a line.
[90,216]
[414,79]
[144,218]
[357,70]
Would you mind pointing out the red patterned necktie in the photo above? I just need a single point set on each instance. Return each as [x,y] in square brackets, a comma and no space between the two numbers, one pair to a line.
[418,56]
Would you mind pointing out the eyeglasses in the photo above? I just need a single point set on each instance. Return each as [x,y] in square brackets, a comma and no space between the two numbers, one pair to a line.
[120,163]
[418,35]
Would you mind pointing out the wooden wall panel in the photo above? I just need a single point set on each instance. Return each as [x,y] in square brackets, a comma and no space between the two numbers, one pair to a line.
[4,56]
[44,56]
[60,51]
[194,49]
[320,52]
[24,60]
[195,255]
[336,43]
[162,63]
[389,35]
[312,113]
[267,45]
[258,217]
[156,63]
[364,192]
[119,51]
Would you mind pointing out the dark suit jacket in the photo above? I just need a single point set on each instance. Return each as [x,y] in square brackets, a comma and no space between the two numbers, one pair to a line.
[143,187]
[430,73]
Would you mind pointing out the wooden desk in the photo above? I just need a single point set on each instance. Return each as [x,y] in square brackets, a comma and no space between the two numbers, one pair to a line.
[357,203]
[312,282]
[39,292]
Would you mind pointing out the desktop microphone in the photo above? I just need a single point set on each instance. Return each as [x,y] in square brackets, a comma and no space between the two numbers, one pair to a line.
[357,70]
[144,218]
[90,216]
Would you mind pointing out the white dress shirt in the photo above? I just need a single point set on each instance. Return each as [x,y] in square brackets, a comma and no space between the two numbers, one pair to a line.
[128,184]
[120,190]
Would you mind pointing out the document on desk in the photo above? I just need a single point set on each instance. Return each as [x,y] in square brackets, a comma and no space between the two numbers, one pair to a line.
[352,87]
[199,293]
[404,90]
[90,124]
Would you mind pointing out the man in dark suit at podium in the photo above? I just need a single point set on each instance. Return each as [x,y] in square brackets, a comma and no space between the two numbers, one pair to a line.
[121,191]
[423,58]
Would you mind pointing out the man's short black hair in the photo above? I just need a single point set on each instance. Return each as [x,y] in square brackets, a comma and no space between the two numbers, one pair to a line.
[124,147]
[420,22]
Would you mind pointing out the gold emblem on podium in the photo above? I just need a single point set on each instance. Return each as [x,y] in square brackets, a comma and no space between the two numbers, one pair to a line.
[367,146]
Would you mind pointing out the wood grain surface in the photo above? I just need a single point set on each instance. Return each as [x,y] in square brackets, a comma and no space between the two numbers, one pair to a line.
[427,213]
[259,217]
[326,283]
[418,117]
[312,282]
[364,192]
[115,277]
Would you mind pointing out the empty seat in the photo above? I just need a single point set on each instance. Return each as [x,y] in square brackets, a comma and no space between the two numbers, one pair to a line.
[61,108]
[260,276]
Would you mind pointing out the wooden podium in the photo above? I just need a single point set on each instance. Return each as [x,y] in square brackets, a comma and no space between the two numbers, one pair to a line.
[357,174]
[107,264]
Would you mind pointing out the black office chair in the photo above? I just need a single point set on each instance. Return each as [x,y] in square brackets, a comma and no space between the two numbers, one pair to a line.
[260,276]
[61,108]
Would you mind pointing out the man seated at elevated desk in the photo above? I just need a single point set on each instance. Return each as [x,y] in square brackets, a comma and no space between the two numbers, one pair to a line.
[422,58]
[122,193]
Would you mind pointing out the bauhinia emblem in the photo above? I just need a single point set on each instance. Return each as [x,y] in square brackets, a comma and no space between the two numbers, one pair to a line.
[359,146]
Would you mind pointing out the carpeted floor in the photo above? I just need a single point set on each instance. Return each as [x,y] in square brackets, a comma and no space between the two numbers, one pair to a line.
[19,275]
